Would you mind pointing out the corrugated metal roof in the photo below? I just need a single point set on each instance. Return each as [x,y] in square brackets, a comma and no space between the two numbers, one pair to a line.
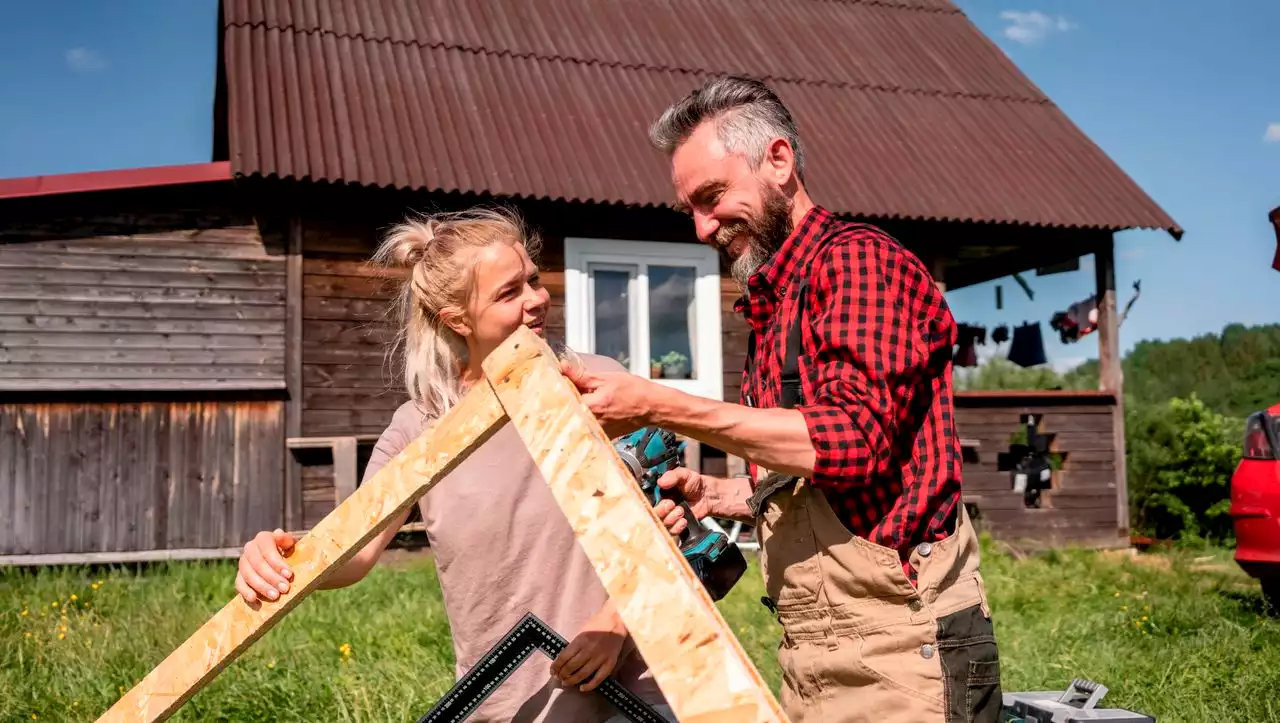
[906,109]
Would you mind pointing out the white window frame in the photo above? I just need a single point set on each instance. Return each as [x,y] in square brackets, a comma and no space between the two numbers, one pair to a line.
[583,253]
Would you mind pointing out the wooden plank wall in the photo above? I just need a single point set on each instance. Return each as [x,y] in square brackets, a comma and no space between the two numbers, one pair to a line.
[110,477]
[1081,507]
[192,300]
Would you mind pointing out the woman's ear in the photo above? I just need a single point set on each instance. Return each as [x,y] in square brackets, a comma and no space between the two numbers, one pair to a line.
[455,320]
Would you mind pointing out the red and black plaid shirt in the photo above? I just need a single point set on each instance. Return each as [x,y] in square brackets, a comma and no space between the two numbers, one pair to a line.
[876,374]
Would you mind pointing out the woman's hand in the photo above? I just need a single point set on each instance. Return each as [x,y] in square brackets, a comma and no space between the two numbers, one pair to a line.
[594,653]
[263,572]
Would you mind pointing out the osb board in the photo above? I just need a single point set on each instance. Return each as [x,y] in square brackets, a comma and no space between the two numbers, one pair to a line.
[703,672]
[326,548]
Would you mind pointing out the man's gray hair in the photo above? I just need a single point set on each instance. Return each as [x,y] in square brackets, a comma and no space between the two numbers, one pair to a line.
[747,115]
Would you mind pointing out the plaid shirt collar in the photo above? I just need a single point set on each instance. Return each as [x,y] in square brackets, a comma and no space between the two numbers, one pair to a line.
[768,284]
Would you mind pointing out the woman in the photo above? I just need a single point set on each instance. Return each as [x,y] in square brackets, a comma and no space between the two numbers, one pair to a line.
[502,546]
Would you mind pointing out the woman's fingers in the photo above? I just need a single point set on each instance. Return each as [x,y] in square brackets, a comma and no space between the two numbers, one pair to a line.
[245,591]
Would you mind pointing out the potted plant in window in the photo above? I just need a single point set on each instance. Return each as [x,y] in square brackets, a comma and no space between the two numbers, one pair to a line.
[675,365]
[655,369]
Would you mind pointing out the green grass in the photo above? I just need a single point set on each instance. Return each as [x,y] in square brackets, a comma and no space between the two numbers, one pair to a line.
[1179,635]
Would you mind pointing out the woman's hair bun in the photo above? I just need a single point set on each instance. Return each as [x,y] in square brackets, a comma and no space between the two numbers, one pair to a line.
[407,244]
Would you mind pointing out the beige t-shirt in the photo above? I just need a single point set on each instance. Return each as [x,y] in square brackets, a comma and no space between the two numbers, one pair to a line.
[502,549]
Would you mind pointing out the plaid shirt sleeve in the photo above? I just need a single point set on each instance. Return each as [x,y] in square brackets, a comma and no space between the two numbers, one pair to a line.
[873,322]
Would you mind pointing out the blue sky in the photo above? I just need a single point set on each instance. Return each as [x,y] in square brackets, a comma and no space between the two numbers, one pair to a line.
[1181,93]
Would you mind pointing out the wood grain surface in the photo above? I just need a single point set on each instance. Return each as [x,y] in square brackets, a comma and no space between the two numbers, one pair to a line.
[703,671]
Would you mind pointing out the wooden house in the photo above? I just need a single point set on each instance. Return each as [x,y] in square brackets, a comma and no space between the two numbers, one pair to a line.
[191,354]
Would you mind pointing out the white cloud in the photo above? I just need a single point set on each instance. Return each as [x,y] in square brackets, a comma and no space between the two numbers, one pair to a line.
[85,60]
[1273,133]
[1031,27]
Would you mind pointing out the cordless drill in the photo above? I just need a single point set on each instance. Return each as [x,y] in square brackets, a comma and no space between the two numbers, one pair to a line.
[649,453]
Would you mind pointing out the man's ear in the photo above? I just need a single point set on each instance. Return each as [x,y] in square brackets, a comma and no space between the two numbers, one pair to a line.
[780,161]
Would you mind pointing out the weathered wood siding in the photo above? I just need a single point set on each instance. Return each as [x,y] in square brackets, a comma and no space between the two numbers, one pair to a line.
[350,385]
[1081,507]
[184,300]
[111,477]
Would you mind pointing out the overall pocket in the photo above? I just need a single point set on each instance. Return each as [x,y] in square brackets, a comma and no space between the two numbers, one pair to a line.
[970,666]
[788,550]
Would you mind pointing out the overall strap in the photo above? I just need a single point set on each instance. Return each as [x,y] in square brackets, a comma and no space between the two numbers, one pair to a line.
[792,386]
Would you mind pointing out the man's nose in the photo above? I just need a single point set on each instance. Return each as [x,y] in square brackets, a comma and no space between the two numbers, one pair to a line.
[705,225]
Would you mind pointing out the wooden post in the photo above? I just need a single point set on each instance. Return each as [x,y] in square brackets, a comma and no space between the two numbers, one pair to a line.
[703,672]
[1110,373]
[326,548]
[344,468]
[293,373]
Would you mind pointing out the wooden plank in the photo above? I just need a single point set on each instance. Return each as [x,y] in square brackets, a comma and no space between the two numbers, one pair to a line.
[119,557]
[184,309]
[368,354]
[349,267]
[18,282]
[66,338]
[63,382]
[350,287]
[350,376]
[347,332]
[376,398]
[77,324]
[112,479]
[344,468]
[155,356]
[327,547]
[704,673]
[149,247]
[318,307]
[13,256]
[324,422]
[293,371]
[9,450]
[23,483]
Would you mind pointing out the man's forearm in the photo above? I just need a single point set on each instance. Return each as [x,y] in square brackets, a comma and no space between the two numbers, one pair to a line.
[776,439]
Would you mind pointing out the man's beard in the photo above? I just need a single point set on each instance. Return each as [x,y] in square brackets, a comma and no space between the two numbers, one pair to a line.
[764,235]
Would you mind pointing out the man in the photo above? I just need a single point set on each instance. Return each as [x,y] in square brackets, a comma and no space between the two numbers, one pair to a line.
[869,560]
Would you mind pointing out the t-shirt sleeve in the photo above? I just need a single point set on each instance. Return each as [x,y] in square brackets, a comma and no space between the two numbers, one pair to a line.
[398,434]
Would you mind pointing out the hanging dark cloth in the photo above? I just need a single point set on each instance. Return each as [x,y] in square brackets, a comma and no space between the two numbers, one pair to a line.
[1000,334]
[966,354]
[1027,349]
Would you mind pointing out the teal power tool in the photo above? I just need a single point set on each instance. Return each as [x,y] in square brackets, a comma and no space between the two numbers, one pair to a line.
[649,453]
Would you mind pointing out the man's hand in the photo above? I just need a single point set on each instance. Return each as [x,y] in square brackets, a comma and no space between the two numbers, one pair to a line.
[692,486]
[619,400]
[594,653]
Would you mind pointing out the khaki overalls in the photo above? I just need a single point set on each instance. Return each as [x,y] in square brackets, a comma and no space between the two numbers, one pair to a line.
[859,642]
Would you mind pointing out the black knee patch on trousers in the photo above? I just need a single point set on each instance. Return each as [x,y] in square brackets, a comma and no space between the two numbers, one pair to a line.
[970,667]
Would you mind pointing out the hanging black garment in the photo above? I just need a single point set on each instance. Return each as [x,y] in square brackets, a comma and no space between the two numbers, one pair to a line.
[966,338]
[1000,334]
[1027,349]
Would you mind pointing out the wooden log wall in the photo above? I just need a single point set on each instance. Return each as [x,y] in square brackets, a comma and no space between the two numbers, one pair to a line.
[1081,506]
[190,300]
[112,477]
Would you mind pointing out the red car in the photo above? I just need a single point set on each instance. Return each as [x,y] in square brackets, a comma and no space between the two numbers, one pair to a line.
[1255,503]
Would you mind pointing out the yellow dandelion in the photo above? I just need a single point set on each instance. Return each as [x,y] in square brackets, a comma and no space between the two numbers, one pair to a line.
[1124,608]
[95,585]
[53,604]
[63,628]
[121,687]
[1117,593]
[1144,617]
[75,704]
[23,613]
[35,717]
[73,597]
[62,636]
[271,666]
[86,603]
[26,635]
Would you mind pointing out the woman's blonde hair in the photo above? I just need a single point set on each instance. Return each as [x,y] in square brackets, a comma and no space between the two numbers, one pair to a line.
[440,254]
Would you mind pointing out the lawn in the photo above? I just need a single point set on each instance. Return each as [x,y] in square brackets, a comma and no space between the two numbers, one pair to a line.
[1180,635]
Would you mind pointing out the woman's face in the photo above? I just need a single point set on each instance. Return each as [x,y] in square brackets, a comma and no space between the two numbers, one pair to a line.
[508,293]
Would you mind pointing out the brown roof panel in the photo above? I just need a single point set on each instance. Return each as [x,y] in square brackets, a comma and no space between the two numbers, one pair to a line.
[916,114]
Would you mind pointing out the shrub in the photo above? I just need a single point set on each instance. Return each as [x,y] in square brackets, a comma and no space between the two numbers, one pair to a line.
[1181,456]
